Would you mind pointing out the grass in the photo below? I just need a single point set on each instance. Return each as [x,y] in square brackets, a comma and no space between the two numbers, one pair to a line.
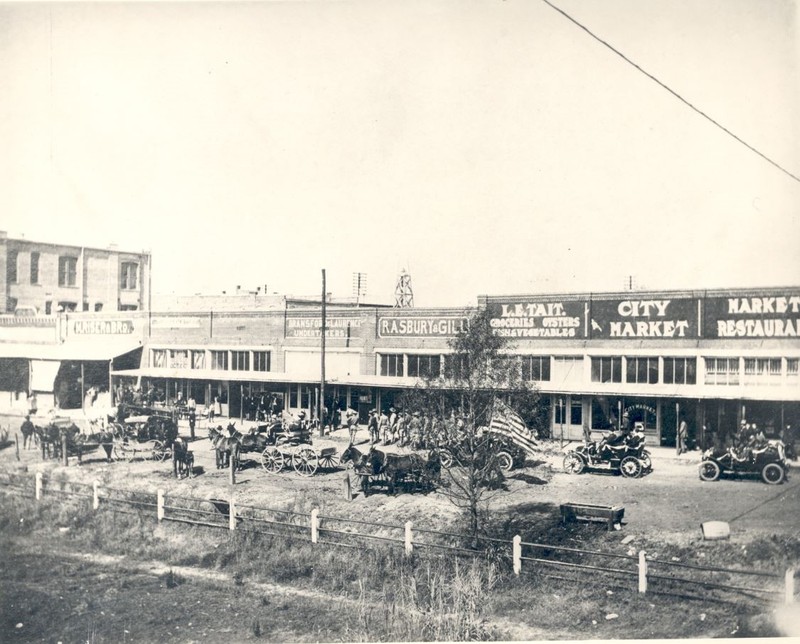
[373,594]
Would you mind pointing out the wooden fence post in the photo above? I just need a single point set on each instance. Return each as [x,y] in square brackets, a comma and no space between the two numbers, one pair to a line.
[348,492]
[232,515]
[38,486]
[789,586]
[16,442]
[409,543]
[64,457]
[232,467]
[96,495]
[160,506]
[517,554]
[314,525]
[642,572]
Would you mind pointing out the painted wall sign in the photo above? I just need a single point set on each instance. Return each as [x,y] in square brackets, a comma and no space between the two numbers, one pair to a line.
[307,327]
[530,320]
[102,327]
[176,323]
[420,327]
[644,318]
[773,316]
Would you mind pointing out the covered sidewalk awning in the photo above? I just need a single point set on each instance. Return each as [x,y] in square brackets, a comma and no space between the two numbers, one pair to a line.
[75,351]
[264,376]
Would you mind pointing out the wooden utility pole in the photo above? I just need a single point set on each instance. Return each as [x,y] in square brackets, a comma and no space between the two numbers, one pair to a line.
[321,401]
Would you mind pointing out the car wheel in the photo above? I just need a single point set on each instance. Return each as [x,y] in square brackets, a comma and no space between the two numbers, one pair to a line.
[630,467]
[574,464]
[709,471]
[773,473]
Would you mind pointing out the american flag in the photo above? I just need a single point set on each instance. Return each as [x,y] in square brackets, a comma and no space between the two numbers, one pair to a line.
[507,422]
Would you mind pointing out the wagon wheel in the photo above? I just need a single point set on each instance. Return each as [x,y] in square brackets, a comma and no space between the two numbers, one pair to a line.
[305,461]
[160,451]
[445,458]
[272,460]
[574,464]
[328,461]
[118,451]
[504,461]
[630,466]
[709,471]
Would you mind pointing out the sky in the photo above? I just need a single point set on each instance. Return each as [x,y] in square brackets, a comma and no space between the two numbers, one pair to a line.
[486,147]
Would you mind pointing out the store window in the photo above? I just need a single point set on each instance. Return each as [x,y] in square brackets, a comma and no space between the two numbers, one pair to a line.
[607,369]
[792,367]
[680,371]
[455,365]
[261,361]
[159,358]
[423,366]
[179,359]
[67,271]
[722,371]
[219,360]
[128,272]
[11,266]
[240,360]
[605,412]
[198,359]
[34,267]
[536,368]
[643,371]
[392,365]
[567,369]
[762,369]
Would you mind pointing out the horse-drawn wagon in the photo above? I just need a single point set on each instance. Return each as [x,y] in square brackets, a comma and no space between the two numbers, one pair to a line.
[148,434]
[291,446]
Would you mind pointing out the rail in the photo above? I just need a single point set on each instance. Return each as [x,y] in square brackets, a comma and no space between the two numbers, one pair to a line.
[290,524]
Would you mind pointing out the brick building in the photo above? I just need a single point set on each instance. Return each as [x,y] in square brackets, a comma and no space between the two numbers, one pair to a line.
[44,278]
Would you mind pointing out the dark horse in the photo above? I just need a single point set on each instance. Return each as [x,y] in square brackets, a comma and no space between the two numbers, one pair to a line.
[392,468]
[227,445]
[182,458]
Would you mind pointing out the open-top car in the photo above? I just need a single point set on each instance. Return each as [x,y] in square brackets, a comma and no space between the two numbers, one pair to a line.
[767,460]
[629,457]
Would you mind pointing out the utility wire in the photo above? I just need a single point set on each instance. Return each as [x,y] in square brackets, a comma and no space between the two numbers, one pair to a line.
[675,94]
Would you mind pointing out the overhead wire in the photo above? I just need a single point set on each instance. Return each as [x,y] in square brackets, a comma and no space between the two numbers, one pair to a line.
[671,91]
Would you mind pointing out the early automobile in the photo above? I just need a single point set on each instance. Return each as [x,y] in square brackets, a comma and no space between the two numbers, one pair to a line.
[629,457]
[767,460]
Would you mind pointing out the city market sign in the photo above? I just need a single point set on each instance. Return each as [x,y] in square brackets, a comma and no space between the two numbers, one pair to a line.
[420,327]
[644,318]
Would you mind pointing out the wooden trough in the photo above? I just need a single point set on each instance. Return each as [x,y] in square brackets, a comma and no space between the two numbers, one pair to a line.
[611,515]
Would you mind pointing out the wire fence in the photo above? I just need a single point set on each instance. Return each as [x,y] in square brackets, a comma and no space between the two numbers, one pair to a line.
[652,574]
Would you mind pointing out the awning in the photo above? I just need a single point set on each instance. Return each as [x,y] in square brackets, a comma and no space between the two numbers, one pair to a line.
[77,351]
[43,374]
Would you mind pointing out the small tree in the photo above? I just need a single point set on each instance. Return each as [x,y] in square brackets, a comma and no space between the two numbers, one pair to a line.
[459,403]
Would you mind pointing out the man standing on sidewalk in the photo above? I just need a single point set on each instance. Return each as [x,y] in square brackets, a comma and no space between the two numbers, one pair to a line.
[683,434]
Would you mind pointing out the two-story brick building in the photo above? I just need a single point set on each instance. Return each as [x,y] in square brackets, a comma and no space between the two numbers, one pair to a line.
[39,277]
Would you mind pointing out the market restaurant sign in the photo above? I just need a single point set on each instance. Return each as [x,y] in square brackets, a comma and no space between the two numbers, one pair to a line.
[773,316]
[420,327]
[307,327]
[102,327]
[643,318]
[529,320]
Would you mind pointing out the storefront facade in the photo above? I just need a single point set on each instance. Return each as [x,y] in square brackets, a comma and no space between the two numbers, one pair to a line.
[709,357]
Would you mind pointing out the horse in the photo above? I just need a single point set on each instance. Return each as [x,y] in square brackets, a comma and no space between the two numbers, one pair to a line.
[182,459]
[226,444]
[101,439]
[394,468]
[28,434]
[51,438]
